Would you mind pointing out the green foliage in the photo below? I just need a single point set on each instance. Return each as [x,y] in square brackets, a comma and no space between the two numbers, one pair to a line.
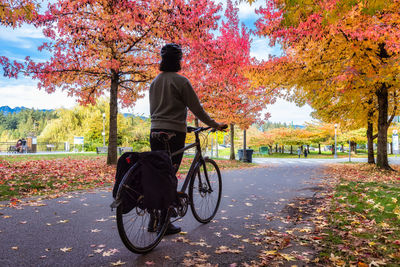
[273,125]
[24,123]
[87,121]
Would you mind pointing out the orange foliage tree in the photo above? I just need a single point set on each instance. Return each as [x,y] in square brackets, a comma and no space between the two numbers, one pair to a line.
[14,12]
[340,56]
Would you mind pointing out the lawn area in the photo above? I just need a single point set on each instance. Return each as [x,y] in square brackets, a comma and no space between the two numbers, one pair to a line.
[313,154]
[362,226]
[24,176]
[28,157]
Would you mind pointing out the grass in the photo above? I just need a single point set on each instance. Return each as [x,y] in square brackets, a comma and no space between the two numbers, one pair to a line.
[363,221]
[28,157]
[313,154]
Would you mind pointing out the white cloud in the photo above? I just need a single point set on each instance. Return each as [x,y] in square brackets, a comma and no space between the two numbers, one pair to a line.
[284,111]
[29,96]
[21,33]
[142,107]
[247,11]
[260,48]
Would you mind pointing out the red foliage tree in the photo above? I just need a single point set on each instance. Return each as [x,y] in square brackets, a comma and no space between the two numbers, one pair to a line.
[113,45]
[220,79]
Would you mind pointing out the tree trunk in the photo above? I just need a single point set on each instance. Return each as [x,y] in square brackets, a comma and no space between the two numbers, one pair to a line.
[244,146]
[382,157]
[308,149]
[333,149]
[355,148]
[196,122]
[232,130]
[291,150]
[391,148]
[270,150]
[370,142]
[276,148]
[319,149]
[112,154]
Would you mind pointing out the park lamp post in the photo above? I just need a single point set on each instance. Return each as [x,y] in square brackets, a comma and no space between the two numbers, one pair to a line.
[104,129]
[350,150]
[335,141]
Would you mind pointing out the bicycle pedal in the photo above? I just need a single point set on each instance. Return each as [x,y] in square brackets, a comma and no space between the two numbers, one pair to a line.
[182,194]
[115,204]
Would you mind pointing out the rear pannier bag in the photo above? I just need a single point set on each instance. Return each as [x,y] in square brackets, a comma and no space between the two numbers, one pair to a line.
[152,178]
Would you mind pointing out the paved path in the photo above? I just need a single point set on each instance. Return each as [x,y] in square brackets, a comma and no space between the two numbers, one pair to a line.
[80,229]
[313,161]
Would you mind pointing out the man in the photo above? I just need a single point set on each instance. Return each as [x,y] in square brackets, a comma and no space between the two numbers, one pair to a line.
[171,94]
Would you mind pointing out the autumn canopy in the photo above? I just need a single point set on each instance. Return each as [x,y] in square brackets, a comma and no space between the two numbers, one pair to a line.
[339,56]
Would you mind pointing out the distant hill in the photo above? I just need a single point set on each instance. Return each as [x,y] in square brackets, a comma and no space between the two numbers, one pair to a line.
[6,109]
[132,115]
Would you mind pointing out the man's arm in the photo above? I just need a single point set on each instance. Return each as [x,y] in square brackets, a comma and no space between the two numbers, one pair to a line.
[193,103]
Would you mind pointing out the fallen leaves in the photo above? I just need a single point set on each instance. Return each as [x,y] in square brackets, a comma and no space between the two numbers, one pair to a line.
[110,252]
[117,263]
[197,258]
[362,217]
[225,249]
[66,249]
[21,179]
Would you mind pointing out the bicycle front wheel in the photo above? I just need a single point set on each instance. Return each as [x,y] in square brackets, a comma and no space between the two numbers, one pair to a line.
[205,191]
[141,229]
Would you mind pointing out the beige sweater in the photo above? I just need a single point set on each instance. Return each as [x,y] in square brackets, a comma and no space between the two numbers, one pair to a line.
[170,96]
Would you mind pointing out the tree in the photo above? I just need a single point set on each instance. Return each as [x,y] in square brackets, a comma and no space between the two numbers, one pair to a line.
[338,54]
[100,46]
[227,93]
[14,12]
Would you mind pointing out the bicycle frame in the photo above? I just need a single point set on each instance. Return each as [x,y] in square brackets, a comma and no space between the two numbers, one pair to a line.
[197,160]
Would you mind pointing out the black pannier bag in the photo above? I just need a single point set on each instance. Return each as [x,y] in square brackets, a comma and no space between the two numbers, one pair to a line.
[159,182]
[153,178]
[128,197]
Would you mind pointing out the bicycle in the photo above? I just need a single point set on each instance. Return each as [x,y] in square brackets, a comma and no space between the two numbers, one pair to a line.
[141,230]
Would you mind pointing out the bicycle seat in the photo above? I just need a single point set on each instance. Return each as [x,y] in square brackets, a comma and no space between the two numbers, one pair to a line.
[165,136]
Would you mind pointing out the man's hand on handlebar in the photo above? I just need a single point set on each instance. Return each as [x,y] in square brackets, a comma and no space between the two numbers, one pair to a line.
[222,126]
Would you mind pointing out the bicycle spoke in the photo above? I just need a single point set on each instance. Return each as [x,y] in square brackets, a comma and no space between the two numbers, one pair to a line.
[205,191]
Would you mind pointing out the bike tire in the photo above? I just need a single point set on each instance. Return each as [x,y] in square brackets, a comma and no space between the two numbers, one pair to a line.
[133,227]
[204,201]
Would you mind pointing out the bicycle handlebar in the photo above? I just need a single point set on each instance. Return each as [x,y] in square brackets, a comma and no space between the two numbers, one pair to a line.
[191,129]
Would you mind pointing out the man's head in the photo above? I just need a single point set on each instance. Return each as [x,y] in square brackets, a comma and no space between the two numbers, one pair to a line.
[171,55]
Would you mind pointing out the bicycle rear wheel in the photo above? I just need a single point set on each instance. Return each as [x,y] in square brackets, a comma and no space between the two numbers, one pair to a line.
[205,191]
[140,229]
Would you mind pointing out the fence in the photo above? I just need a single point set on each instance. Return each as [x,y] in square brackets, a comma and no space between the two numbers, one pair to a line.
[40,147]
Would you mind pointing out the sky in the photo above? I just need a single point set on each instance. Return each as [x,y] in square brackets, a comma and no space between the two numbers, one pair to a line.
[20,42]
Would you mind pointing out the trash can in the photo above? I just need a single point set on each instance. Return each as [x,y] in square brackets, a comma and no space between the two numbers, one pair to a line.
[249,155]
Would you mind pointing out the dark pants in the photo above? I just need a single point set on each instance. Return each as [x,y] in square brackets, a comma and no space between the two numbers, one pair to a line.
[175,143]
